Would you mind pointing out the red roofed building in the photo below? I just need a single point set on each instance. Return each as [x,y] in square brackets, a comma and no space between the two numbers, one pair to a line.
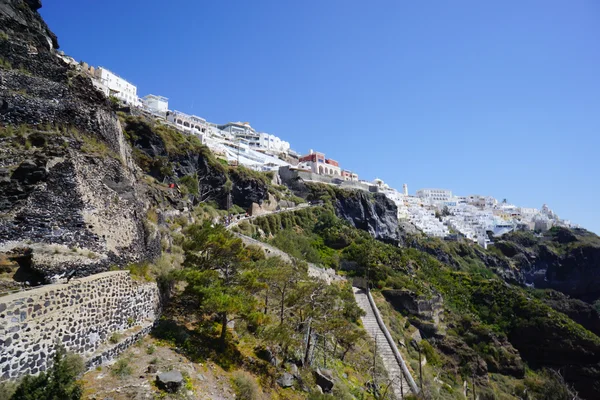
[318,164]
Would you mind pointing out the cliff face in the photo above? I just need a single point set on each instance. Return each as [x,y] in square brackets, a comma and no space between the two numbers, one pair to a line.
[163,153]
[561,259]
[371,212]
[68,184]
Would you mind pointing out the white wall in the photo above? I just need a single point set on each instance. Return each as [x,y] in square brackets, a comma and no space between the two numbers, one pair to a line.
[156,104]
[118,86]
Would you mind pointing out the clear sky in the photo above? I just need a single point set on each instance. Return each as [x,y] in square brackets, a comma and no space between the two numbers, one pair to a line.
[498,98]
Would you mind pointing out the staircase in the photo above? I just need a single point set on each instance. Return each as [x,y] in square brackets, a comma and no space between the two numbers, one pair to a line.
[402,382]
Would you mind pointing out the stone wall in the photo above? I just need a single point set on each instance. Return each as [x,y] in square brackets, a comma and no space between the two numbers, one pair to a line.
[82,315]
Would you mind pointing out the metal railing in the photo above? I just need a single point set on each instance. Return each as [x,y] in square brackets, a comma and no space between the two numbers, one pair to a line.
[390,340]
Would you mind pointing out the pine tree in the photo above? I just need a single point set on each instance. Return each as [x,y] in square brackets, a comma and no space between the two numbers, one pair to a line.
[217,267]
[59,383]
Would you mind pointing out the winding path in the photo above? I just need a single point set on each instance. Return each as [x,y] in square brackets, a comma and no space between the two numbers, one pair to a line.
[402,382]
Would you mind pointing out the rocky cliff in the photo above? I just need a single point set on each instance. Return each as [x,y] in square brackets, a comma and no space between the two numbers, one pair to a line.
[561,259]
[371,212]
[166,154]
[72,197]
[69,188]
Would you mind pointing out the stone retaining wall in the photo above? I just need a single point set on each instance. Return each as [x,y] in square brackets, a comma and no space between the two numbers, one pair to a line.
[81,315]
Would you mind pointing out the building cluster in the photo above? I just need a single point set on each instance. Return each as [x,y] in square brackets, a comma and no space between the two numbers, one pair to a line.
[237,142]
[436,212]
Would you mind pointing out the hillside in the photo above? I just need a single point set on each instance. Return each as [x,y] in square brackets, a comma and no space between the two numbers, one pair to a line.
[113,243]
[472,305]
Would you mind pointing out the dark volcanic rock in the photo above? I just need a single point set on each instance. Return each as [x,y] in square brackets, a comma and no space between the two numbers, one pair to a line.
[170,381]
[579,311]
[324,379]
[247,190]
[562,259]
[67,178]
[371,212]
[427,313]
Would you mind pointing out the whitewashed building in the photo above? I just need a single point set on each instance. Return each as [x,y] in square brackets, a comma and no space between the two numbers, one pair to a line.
[117,86]
[188,123]
[435,196]
[257,140]
[156,104]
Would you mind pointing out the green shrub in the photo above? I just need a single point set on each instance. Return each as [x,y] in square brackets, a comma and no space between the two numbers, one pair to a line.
[235,209]
[5,63]
[190,184]
[150,350]
[60,382]
[115,338]
[7,389]
[432,357]
[121,368]
[245,386]
[114,102]
[140,271]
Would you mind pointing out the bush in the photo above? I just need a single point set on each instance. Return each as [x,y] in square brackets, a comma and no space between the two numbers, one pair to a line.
[140,271]
[432,357]
[115,338]
[7,389]
[190,183]
[121,368]
[245,386]
[59,383]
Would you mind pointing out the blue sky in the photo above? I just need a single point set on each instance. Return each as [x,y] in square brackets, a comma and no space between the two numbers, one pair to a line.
[494,98]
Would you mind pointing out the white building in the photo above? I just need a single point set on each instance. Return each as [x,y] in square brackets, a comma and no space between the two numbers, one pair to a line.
[187,123]
[117,86]
[273,143]
[257,140]
[156,104]
[318,164]
[435,196]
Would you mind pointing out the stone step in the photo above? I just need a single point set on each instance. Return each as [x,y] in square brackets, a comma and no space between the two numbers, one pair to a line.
[384,349]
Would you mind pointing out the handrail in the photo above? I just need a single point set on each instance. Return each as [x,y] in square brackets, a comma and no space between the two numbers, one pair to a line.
[388,336]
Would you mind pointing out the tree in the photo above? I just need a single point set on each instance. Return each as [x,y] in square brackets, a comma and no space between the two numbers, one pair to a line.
[59,383]
[217,270]
[282,278]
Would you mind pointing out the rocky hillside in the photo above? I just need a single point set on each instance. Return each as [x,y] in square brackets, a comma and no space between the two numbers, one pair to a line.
[476,313]
[71,197]
[79,184]
[561,259]
[84,188]
[371,212]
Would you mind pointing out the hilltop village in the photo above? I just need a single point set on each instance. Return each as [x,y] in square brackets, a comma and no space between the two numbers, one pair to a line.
[435,211]
[148,253]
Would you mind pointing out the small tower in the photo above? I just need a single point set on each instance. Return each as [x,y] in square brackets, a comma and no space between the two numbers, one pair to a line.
[405,189]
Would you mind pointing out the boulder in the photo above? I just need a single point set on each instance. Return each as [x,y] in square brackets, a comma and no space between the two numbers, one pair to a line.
[28,172]
[426,313]
[324,379]
[267,355]
[286,380]
[170,381]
